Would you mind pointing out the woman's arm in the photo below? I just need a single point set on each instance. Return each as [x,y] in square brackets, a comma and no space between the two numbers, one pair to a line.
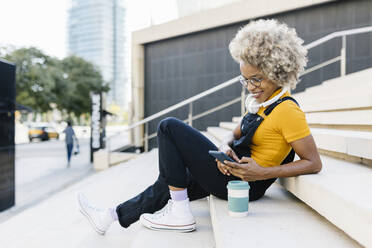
[249,170]
[225,147]
[309,162]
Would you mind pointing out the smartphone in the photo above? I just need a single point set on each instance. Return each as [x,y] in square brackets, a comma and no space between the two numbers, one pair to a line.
[221,156]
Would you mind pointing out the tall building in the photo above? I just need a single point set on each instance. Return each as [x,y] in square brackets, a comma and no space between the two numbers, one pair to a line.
[96,33]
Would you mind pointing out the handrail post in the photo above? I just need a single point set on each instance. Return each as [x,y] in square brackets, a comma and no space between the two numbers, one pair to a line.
[190,114]
[146,137]
[343,56]
[242,106]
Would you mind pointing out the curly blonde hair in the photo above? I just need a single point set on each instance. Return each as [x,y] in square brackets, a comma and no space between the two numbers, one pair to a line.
[274,48]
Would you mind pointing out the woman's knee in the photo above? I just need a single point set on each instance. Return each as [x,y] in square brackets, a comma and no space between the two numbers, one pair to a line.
[168,123]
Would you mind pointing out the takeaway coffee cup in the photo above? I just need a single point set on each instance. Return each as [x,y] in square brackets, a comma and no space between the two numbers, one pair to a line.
[238,198]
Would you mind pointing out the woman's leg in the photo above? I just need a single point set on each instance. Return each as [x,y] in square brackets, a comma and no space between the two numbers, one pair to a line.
[182,148]
[150,200]
[184,162]
[157,195]
[179,146]
[187,149]
[69,152]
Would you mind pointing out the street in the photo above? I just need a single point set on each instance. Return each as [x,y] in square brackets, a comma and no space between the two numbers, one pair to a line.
[41,171]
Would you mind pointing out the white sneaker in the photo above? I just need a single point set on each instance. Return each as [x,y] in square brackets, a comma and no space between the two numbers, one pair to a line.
[100,219]
[175,216]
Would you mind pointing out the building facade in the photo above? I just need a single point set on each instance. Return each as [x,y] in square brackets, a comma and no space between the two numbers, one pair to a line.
[96,33]
[179,59]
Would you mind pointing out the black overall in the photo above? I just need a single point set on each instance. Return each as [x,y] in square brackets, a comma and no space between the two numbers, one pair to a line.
[249,125]
[184,162]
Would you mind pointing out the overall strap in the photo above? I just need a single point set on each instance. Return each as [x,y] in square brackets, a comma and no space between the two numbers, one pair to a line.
[291,154]
[272,106]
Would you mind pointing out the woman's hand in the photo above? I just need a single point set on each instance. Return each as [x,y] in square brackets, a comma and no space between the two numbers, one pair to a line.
[222,167]
[230,152]
[247,169]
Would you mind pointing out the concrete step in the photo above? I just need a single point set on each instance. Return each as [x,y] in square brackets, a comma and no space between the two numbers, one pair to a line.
[337,87]
[354,143]
[341,193]
[202,237]
[354,100]
[218,133]
[228,125]
[211,138]
[356,117]
[237,119]
[117,139]
[277,220]
[340,88]
[104,159]
[120,157]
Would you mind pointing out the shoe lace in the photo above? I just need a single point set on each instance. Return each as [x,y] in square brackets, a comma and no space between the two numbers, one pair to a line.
[165,210]
[90,206]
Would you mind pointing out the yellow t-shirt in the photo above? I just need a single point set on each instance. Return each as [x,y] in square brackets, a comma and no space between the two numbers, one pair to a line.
[285,124]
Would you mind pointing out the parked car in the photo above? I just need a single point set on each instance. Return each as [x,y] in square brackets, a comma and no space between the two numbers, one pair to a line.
[42,133]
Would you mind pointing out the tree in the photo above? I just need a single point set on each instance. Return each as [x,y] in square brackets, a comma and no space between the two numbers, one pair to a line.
[34,83]
[81,78]
[42,80]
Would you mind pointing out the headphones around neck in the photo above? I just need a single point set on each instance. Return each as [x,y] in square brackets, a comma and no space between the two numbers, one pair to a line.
[252,106]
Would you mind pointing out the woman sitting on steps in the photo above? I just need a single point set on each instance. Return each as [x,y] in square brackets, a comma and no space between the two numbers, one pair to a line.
[271,57]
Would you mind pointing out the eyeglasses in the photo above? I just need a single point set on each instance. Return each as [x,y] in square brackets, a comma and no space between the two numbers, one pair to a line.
[253,80]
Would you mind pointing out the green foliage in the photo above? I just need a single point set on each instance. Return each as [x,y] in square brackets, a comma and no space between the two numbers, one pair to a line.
[42,80]
[82,78]
[33,82]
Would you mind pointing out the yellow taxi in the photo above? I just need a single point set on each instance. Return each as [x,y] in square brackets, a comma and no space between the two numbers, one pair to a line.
[42,132]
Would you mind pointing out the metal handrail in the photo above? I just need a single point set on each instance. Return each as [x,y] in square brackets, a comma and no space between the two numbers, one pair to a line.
[224,105]
[190,100]
[338,34]
[185,102]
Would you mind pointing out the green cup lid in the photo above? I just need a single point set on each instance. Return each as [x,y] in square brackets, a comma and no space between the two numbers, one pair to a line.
[237,184]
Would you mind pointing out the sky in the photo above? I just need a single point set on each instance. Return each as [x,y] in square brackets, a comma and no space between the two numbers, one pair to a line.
[43,23]
[40,23]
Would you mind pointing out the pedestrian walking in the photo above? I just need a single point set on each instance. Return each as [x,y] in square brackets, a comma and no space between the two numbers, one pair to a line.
[70,137]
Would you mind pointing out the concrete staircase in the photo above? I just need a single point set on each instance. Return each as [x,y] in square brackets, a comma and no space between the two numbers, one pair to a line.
[341,123]
[339,193]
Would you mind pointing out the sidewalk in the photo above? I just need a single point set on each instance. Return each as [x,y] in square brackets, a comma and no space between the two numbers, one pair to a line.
[58,223]
[41,172]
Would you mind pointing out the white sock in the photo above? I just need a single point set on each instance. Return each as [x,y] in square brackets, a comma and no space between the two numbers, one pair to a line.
[114,214]
[178,195]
